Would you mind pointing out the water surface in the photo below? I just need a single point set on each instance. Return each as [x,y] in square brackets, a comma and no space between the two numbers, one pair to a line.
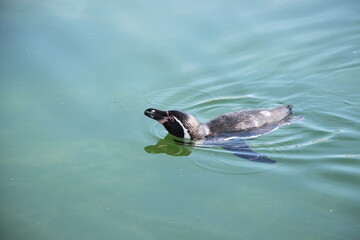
[79,160]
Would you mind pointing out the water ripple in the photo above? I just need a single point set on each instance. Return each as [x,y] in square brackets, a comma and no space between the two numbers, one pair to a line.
[180,97]
[205,105]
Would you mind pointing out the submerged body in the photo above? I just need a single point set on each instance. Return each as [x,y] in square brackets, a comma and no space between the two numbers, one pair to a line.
[244,124]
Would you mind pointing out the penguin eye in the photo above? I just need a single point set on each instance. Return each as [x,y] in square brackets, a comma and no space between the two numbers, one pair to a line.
[171,118]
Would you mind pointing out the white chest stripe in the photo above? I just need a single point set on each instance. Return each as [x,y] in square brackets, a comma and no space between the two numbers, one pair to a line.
[186,133]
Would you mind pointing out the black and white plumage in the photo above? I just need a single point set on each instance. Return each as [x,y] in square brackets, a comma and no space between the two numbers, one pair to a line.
[244,124]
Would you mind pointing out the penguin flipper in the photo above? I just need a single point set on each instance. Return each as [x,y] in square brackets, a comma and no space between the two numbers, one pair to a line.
[245,152]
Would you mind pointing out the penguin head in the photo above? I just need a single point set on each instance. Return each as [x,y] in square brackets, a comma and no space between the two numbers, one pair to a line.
[179,124]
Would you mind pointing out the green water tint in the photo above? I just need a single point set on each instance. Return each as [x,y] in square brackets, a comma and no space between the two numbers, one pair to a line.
[77,157]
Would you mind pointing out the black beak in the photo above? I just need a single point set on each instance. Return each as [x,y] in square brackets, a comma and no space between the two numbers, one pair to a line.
[156,114]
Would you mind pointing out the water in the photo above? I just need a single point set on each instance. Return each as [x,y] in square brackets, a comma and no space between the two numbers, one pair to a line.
[79,160]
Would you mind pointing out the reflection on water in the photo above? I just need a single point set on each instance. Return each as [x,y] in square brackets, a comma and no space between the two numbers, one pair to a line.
[232,165]
[169,147]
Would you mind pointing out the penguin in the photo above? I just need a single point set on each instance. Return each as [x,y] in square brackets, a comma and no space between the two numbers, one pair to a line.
[222,130]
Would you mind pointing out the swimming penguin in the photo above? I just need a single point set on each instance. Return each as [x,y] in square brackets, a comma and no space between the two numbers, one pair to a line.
[244,124]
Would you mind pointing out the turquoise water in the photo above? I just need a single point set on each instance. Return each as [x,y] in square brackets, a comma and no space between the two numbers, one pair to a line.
[79,160]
